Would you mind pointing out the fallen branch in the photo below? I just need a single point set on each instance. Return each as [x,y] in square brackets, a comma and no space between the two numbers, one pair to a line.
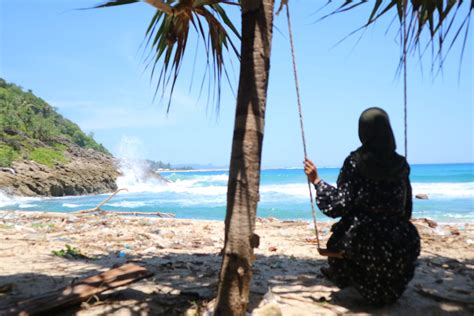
[80,291]
[98,207]
[159,214]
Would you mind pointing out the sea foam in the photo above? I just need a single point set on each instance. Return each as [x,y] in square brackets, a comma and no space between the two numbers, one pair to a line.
[283,194]
[71,205]
[445,190]
[21,202]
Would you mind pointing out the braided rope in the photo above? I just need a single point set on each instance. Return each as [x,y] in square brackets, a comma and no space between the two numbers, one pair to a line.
[405,93]
[295,73]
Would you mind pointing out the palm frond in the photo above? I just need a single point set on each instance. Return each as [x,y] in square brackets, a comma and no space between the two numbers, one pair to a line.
[167,36]
[115,3]
[443,20]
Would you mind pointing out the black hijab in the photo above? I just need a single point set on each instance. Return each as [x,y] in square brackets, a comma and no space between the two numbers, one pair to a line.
[377,158]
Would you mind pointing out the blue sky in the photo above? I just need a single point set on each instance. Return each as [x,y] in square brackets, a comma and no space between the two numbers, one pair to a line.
[88,65]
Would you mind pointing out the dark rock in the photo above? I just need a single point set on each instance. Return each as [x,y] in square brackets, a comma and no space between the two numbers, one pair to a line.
[10,131]
[431,223]
[56,190]
[87,171]
[11,170]
[69,190]
[422,196]
[454,231]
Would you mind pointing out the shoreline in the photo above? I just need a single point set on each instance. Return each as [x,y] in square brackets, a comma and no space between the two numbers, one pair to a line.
[320,220]
[184,255]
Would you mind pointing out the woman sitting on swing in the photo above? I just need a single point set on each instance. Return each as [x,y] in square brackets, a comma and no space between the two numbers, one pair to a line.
[375,238]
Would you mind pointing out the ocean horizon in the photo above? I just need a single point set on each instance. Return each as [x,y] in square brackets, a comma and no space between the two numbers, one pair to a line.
[201,194]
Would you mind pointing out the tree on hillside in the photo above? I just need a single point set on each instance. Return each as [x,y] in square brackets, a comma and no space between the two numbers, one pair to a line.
[168,34]
[23,116]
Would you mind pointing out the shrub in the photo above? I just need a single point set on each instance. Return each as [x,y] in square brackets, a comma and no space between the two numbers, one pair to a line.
[7,155]
[47,156]
[24,112]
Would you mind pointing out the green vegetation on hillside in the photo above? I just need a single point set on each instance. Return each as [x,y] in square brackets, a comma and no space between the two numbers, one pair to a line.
[30,128]
[47,156]
[7,155]
[157,165]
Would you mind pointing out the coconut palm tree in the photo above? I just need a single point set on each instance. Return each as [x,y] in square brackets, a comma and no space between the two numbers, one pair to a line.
[167,37]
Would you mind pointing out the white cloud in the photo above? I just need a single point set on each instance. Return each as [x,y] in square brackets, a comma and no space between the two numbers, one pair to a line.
[124,117]
[92,116]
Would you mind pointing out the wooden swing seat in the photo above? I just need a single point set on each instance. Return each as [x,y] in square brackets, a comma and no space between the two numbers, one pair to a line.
[331,254]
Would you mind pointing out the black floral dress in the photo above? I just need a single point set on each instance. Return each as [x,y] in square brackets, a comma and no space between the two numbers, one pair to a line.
[379,242]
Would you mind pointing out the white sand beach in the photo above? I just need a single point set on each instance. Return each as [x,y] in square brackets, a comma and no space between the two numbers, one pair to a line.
[184,257]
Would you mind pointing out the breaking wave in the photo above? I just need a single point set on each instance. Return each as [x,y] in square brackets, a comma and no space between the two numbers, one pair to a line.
[283,194]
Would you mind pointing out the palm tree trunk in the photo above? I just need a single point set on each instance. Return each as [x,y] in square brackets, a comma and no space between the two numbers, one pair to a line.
[244,174]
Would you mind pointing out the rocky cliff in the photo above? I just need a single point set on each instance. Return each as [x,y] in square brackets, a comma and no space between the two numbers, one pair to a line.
[85,172]
[44,154]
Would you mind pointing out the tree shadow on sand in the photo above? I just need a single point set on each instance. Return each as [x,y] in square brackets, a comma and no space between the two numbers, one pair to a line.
[189,280]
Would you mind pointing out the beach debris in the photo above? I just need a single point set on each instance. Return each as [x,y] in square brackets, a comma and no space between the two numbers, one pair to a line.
[271,309]
[159,214]
[150,250]
[191,265]
[269,297]
[431,223]
[98,207]
[422,196]
[272,248]
[267,220]
[81,291]
[454,231]
[70,253]
[6,288]
[269,305]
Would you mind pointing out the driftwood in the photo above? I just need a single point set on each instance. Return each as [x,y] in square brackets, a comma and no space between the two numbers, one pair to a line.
[80,291]
[98,207]
[159,214]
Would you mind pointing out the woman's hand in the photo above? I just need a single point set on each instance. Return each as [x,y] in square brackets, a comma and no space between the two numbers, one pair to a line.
[311,171]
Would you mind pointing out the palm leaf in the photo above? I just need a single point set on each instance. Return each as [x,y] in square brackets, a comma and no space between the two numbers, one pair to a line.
[443,20]
[115,3]
[167,36]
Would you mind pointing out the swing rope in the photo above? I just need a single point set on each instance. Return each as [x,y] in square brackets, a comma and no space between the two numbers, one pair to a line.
[300,111]
[405,93]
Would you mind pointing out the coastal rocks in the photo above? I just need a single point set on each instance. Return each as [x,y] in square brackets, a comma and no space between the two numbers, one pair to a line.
[449,233]
[431,223]
[8,170]
[422,196]
[87,172]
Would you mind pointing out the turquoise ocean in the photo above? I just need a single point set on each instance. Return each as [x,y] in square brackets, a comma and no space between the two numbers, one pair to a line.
[284,194]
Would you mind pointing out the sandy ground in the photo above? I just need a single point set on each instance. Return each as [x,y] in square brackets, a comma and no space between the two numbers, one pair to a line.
[184,256]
